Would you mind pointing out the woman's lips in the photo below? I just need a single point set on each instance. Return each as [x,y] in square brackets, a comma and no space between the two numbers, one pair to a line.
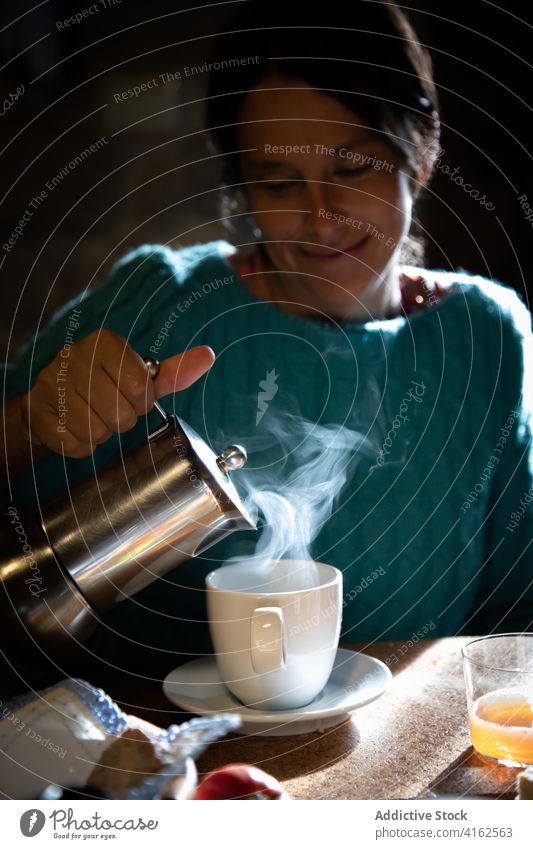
[338,253]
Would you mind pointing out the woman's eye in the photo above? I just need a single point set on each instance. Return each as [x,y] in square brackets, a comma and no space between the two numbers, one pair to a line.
[353,172]
[280,185]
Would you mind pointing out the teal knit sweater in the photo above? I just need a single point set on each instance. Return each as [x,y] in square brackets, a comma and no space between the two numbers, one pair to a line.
[433,528]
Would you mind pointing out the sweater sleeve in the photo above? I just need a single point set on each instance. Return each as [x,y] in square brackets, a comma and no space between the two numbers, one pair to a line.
[123,304]
[116,305]
[505,598]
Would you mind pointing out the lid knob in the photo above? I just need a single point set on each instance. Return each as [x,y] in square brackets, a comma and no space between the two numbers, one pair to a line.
[233,457]
[153,366]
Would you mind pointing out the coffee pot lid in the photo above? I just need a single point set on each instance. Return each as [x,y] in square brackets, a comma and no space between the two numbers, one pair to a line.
[215,469]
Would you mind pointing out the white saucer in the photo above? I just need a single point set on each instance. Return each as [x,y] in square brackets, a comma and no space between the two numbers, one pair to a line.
[356,680]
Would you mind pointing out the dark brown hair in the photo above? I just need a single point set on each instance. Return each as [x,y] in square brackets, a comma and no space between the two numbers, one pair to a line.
[364,53]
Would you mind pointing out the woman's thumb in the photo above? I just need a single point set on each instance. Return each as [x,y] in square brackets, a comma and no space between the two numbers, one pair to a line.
[179,371]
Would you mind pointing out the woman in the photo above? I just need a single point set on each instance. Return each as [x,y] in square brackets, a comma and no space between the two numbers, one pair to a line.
[319,319]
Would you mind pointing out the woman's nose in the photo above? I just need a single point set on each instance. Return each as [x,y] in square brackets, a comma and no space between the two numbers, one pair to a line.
[318,195]
[321,208]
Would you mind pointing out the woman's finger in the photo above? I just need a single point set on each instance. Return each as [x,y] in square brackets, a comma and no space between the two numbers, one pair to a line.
[128,371]
[57,437]
[180,371]
[101,394]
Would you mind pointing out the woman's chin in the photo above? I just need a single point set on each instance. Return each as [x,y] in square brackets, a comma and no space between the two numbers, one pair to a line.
[346,289]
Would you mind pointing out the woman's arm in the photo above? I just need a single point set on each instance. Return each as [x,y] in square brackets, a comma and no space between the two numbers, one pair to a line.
[17,453]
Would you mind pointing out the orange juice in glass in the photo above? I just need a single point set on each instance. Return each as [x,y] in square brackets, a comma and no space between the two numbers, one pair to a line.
[498,673]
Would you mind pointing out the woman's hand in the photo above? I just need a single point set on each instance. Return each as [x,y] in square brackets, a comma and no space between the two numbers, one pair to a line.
[101,389]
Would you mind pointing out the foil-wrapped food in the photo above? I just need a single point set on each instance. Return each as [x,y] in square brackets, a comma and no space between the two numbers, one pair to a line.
[72,735]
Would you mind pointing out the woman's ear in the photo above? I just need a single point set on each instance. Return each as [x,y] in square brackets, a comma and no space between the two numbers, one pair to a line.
[422,173]
[419,178]
[429,154]
[425,171]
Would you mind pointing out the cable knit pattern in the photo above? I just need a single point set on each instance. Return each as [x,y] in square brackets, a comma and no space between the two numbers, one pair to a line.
[422,529]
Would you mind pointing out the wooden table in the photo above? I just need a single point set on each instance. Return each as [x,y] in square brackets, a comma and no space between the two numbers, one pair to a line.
[412,743]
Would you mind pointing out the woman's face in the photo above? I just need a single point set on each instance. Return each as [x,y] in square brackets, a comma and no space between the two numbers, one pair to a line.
[332,199]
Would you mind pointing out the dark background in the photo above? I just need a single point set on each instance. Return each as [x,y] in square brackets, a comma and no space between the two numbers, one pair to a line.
[154,181]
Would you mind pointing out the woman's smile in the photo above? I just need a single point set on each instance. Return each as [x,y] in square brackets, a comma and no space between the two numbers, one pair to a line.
[336,255]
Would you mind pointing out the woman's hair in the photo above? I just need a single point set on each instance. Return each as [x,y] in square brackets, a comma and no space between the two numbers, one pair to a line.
[364,53]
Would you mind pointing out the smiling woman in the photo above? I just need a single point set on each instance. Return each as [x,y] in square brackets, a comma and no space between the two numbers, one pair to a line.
[290,198]
[325,143]
[347,126]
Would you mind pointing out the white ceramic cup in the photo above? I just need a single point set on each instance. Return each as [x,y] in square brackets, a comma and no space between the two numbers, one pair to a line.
[274,647]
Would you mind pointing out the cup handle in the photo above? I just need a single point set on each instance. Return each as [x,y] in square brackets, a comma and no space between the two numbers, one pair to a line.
[266,639]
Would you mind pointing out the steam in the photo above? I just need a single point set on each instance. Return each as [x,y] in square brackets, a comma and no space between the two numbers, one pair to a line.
[292,498]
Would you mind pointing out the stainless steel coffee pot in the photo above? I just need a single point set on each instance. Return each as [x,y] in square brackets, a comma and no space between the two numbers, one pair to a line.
[111,535]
